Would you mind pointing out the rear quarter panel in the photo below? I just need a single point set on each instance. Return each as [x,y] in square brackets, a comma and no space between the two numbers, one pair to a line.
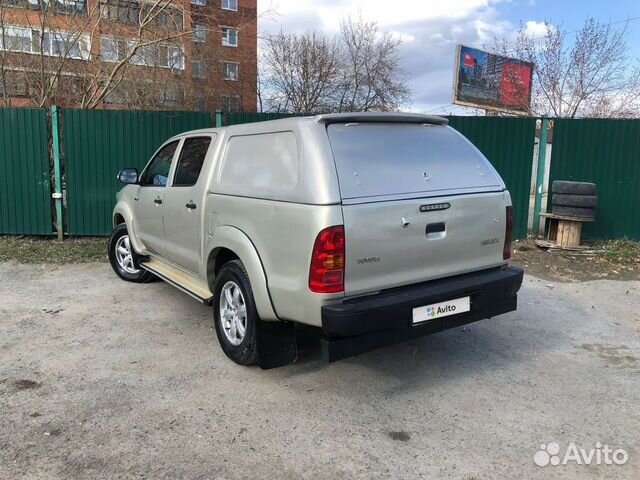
[283,234]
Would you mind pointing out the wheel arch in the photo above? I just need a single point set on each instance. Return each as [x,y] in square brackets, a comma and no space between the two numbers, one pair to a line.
[230,243]
[122,214]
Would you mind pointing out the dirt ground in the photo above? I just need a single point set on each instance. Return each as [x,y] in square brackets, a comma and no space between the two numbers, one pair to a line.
[615,260]
[104,379]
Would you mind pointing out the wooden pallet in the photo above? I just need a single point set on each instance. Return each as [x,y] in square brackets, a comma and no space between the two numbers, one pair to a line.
[576,250]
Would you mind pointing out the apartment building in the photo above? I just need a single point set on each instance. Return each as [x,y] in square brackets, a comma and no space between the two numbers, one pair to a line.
[129,54]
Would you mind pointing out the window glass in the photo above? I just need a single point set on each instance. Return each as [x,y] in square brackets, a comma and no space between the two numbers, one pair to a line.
[397,158]
[260,165]
[157,172]
[199,32]
[229,37]
[229,71]
[230,5]
[192,157]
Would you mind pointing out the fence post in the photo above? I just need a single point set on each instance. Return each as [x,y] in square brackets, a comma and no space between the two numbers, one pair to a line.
[57,171]
[218,119]
[542,155]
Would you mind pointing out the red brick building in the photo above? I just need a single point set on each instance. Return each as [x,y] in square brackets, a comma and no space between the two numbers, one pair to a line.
[129,54]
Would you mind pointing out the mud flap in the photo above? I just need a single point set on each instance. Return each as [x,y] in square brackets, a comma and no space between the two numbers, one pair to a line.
[276,344]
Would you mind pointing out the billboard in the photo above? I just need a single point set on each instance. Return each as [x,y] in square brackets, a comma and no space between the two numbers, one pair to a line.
[493,82]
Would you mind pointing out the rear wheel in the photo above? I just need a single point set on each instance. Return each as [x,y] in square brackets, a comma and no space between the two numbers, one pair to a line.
[235,315]
[123,258]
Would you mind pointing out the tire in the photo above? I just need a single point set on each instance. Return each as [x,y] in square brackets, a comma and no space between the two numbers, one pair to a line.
[582,201]
[574,211]
[573,188]
[237,336]
[118,243]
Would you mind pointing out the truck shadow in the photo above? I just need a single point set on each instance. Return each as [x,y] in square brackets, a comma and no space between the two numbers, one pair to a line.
[485,346]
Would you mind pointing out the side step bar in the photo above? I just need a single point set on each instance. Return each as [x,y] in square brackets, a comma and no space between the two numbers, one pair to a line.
[179,279]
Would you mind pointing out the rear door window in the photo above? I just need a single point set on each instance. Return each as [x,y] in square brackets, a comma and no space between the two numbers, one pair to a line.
[157,172]
[192,156]
[387,159]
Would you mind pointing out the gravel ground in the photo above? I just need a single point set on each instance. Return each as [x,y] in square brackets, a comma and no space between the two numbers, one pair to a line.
[104,379]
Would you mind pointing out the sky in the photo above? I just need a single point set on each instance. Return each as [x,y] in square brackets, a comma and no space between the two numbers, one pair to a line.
[431,29]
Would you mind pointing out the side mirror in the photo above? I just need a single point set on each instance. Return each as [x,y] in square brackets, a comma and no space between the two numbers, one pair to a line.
[128,176]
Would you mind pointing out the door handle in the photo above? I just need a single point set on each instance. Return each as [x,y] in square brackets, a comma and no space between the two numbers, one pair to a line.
[158,201]
[191,206]
[136,199]
[435,228]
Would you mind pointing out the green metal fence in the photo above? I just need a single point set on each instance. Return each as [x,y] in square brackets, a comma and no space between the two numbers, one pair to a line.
[508,143]
[605,152]
[97,144]
[25,185]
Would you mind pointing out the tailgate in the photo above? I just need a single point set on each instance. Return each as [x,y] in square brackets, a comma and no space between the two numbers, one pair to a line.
[394,243]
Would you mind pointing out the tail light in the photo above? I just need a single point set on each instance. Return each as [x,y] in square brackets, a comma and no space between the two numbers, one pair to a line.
[326,274]
[508,235]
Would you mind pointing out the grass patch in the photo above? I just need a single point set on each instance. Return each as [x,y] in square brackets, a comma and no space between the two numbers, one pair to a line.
[47,250]
[621,253]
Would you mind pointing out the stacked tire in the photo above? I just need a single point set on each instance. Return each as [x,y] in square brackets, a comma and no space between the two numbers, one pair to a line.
[574,199]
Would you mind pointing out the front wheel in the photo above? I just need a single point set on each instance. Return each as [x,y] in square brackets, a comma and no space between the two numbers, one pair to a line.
[235,314]
[123,258]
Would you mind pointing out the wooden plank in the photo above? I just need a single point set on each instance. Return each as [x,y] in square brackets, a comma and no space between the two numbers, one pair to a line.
[569,233]
[565,217]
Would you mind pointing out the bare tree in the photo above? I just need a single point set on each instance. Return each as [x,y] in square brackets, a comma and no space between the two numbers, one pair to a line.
[357,70]
[372,76]
[588,75]
[302,70]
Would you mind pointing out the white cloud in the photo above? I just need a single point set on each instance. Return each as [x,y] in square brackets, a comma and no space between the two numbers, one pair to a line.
[429,29]
[383,11]
[536,29]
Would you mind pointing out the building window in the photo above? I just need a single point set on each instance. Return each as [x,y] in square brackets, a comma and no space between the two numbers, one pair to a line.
[229,37]
[55,44]
[200,104]
[230,71]
[198,69]
[167,56]
[64,7]
[120,11]
[199,32]
[131,12]
[113,49]
[58,44]
[231,103]
[19,39]
[230,5]
[201,3]
[15,84]
[172,96]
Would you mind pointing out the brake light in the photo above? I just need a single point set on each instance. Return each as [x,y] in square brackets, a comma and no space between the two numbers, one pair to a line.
[508,235]
[326,274]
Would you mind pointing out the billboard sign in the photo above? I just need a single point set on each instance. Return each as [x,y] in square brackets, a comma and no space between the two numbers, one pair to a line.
[492,82]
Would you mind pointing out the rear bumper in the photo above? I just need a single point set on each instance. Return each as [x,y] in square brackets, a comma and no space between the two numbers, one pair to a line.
[360,324]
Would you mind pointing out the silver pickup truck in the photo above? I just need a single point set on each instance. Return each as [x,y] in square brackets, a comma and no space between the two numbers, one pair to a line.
[374,227]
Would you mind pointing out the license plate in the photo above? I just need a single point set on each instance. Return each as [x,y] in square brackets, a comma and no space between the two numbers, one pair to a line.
[440,310]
